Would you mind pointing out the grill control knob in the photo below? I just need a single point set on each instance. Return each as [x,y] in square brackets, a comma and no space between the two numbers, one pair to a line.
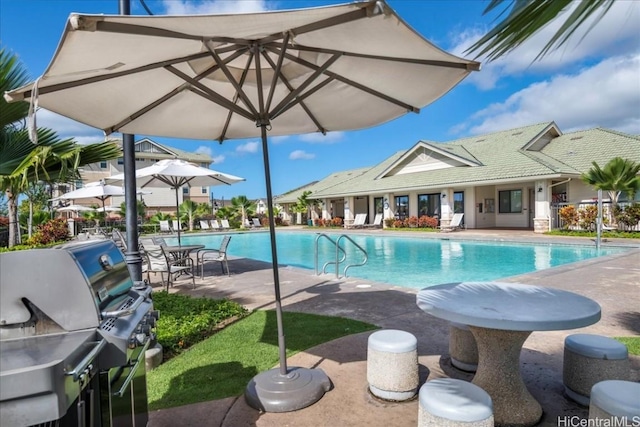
[154,314]
[149,321]
[144,329]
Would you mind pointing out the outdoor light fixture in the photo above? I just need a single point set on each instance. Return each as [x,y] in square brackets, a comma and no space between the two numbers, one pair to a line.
[444,196]
[540,189]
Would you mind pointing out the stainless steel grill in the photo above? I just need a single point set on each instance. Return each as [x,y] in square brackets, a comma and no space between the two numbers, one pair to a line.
[73,332]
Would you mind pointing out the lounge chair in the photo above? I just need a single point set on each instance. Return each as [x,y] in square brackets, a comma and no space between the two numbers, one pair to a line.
[224,224]
[256,223]
[165,227]
[204,225]
[455,224]
[175,225]
[247,224]
[219,255]
[215,225]
[358,222]
[377,222]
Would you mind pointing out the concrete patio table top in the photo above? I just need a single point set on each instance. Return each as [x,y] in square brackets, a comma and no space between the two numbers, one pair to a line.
[501,316]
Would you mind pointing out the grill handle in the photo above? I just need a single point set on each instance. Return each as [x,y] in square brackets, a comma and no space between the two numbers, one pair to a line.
[80,369]
[125,311]
[133,371]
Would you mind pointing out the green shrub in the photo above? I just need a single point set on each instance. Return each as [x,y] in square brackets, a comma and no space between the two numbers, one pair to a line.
[185,321]
[54,230]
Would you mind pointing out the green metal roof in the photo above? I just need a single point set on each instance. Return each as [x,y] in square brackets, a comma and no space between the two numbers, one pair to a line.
[524,153]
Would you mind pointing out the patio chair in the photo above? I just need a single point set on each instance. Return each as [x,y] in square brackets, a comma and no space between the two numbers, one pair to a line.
[247,224]
[176,225]
[377,222]
[224,224]
[159,261]
[455,224]
[119,239]
[358,222]
[219,255]
[256,223]
[204,225]
[215,225]
[165,227]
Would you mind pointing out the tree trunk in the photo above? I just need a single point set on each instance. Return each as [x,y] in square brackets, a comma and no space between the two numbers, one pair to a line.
[30,222]
[14,227]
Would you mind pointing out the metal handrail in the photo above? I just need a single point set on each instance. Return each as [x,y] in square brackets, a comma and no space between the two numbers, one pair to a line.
[339,250]
[366,256]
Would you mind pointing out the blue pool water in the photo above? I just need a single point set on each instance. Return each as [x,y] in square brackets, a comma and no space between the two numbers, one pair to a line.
[405,261]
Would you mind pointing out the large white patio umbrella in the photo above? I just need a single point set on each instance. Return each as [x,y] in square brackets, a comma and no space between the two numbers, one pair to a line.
[75,208]
[176,174]
[219,77]
[96,190]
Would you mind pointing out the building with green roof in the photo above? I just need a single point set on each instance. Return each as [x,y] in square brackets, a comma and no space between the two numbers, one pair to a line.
[506,179]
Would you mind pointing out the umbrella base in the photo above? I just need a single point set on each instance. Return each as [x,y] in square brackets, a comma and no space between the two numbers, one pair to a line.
[270,391]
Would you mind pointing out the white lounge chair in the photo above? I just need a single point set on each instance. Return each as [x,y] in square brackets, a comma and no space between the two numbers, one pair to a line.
[256,223]
[247,224]
[215,225]
[377,222]
[358,222]
[175,225]
[204,225]
[165,227]
[455,224]
[224,224]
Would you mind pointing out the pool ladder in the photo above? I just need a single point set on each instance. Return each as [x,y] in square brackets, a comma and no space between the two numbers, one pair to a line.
[341,255]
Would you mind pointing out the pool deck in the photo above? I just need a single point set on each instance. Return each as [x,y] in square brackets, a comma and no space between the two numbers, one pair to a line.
[613,281]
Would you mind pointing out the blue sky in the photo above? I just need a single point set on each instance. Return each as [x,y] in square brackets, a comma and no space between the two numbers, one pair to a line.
[592,81]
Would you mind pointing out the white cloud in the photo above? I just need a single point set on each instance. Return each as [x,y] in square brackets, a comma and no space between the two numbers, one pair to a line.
[249,147]
[318,138]
[67,128]
[616,34]
[218,159]
[606,94]
[185,7]
[301,155]
[203,149]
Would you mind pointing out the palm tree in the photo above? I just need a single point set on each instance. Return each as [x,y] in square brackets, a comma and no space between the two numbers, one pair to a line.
[243,206]
[528,17]
[306,205]
[618,176]
[21,161]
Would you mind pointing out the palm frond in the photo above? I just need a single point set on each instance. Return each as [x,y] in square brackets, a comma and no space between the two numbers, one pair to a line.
[527,17]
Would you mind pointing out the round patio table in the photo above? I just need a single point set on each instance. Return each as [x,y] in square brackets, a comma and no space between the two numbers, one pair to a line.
[181,252]
[501,316]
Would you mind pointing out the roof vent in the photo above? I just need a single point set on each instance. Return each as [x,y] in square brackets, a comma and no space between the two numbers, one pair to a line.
[480,140]
[576,137]
[517,133]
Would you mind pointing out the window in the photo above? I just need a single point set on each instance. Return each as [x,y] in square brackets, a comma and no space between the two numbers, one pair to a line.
[185,190]
[402,207]
[103,165]
[204,190]
[458,202]
[377,205]
[121,160]
[510,201]
[429,205]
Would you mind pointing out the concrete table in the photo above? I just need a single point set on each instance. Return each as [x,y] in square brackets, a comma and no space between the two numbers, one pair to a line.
[501,317]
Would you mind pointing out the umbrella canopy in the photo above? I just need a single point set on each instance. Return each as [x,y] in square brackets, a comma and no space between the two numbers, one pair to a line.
[96,190]
[75,208]
[332,68]
[176,174]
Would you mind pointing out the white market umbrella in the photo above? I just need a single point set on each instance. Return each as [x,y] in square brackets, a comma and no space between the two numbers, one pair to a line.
[95,190]
[75,208]
[175,174]
[220,77]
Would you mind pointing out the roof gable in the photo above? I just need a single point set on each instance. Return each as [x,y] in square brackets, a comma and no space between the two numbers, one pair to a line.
[543,138]
[429,156]
[148,146]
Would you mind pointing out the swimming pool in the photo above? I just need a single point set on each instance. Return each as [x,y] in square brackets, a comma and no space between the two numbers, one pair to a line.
[406,261]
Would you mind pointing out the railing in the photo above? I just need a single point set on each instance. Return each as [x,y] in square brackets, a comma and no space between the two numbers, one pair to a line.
[558,223]
[341,255]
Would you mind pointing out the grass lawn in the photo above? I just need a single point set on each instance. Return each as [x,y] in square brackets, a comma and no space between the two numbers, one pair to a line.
[632,343]
[223,364]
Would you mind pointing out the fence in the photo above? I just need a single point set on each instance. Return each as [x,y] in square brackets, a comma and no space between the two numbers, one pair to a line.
[607,214]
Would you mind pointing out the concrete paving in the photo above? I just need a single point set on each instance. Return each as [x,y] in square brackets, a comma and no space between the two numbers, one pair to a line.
[612,281]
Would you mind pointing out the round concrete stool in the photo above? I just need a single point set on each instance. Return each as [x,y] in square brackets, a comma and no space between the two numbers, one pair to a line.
[589,359]
[153,357]
[392,364]
[462,347]
[616,401]
[447,402]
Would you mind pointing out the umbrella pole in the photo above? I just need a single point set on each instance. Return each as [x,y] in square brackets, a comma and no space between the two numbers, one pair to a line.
[178,216]
[282,389]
